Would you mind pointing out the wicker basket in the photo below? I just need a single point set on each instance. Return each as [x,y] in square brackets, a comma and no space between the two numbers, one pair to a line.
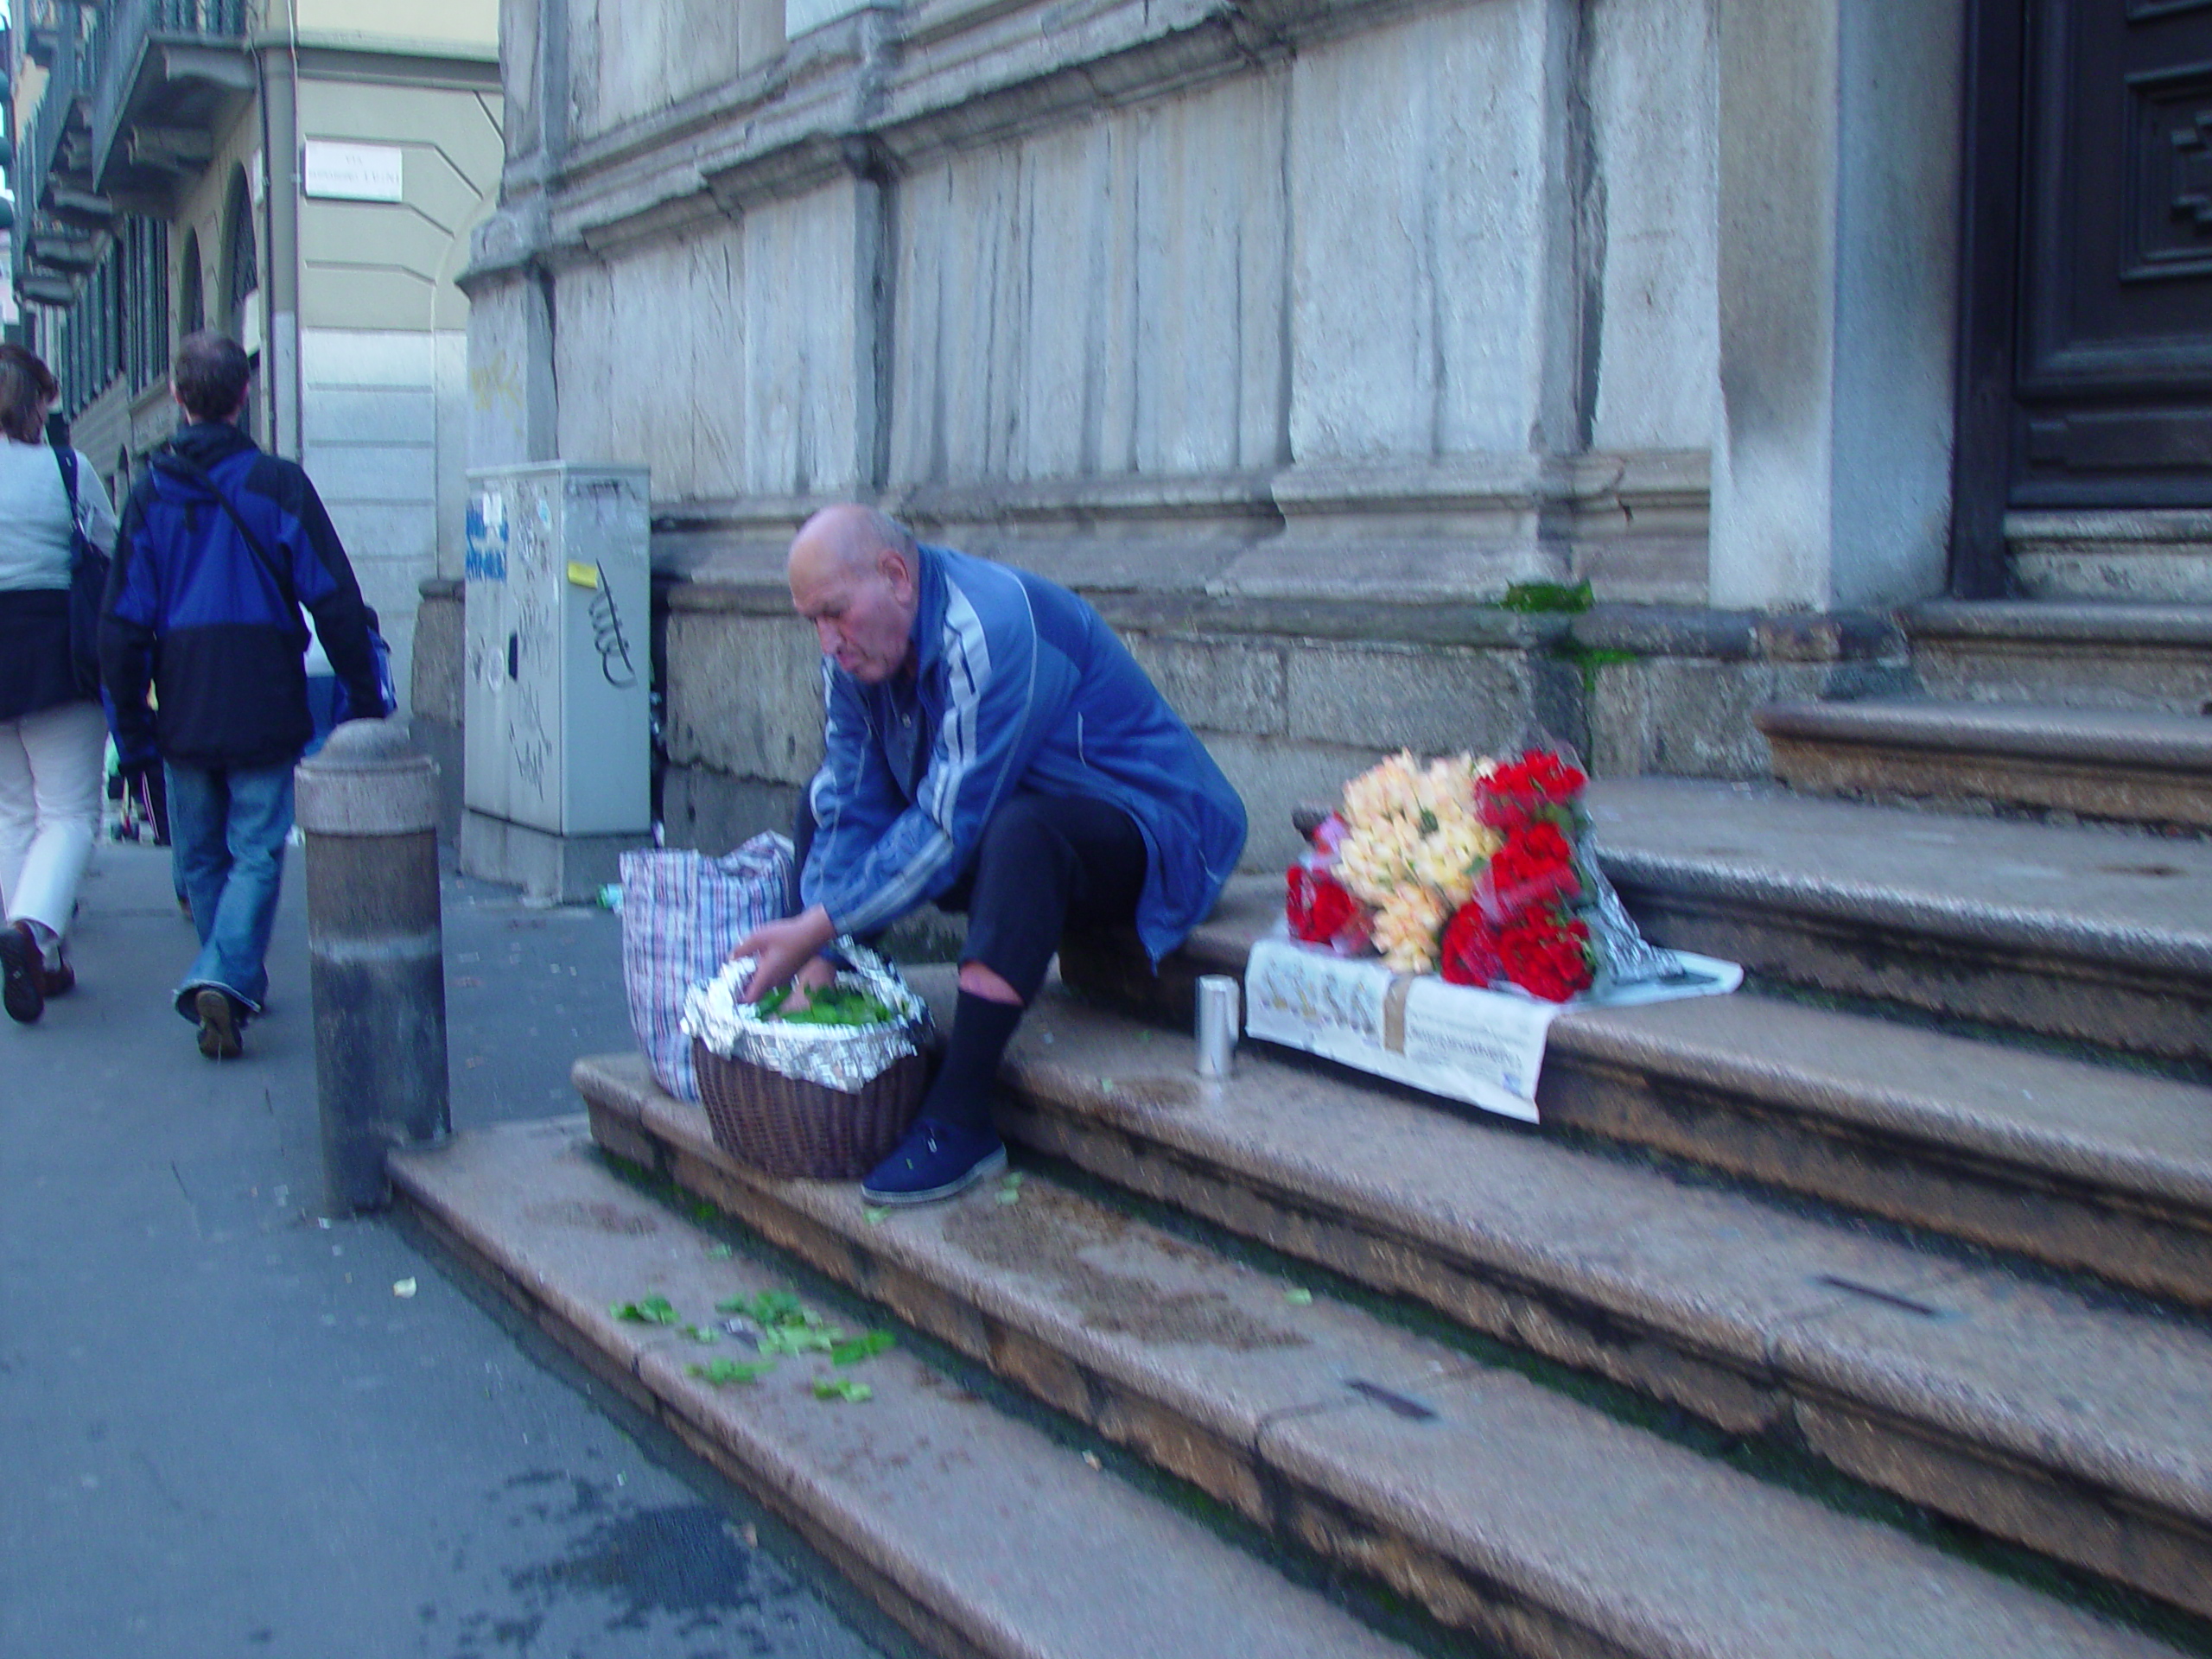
[781,1126]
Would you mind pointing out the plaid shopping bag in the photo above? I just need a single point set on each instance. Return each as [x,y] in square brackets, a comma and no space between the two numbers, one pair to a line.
[681,913]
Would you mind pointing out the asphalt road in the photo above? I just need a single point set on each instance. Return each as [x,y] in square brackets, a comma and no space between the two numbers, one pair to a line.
[230,1426]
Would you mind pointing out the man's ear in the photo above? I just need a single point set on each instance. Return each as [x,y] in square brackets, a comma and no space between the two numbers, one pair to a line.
[897,570]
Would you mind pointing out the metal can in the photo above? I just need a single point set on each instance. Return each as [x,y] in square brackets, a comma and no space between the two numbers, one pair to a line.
[1219,1023]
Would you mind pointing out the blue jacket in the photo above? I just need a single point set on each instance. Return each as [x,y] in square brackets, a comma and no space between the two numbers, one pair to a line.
[194,611]
[1026,688]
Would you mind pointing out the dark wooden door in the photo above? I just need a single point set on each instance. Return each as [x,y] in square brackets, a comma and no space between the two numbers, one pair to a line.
[2112,388]
[2086,340]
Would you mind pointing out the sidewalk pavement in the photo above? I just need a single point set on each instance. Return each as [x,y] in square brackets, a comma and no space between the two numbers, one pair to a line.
[230,1426]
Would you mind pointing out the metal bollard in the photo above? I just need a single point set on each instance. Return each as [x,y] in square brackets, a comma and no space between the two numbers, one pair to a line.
[367,803]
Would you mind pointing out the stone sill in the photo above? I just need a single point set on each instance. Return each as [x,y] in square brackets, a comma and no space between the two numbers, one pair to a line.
[1638,630]
[2140,526]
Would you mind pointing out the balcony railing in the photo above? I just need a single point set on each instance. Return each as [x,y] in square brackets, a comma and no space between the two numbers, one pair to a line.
[165,60]
[118,66]
[50,121]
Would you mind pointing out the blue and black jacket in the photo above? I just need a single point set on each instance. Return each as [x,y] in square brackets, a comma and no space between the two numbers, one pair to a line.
[1023,687]
[194,613]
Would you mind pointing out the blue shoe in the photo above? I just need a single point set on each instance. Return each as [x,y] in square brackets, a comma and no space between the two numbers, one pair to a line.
[934,1161]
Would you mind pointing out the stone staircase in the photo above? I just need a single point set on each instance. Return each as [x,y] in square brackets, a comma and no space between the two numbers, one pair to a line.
[1866,1312]
[2097,710]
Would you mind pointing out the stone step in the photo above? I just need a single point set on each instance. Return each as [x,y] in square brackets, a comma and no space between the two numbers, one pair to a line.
[2083,655]
[2129,765]
[2045,1417]
[2083,1166]
[976,1531]
[2092,934]
[1507,1509]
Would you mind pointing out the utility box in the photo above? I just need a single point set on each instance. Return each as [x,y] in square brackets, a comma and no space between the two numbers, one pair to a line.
[557,774]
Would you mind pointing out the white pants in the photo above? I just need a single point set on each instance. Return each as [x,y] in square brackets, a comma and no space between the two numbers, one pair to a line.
[51,768]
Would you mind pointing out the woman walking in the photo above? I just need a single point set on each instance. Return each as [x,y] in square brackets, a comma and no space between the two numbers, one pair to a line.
[53,735]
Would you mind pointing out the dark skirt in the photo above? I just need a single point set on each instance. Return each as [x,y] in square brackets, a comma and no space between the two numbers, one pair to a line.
[36,671]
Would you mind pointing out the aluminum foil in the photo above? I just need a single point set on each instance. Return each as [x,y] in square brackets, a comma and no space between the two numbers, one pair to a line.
[846,1057]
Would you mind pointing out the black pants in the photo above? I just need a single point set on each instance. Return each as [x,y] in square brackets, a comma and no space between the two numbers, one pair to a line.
[1047,863]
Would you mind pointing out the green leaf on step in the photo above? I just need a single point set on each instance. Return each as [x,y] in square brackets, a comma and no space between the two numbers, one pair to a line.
[702,1333]
[796,1340]
[719,1252]
[652,1310]
[1009,1195]
[723,1372]
[1011,1178]
[874,1215]
[773,1307]
[842,1388]
[862,1347]
[1298,1296]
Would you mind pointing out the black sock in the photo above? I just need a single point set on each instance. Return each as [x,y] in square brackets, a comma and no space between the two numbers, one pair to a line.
[981,1031]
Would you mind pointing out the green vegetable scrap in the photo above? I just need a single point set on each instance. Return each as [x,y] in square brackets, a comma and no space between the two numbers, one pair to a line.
[797,1339]
[702,1333]
[723,1372]
[773,1307]
[842,1388]
[875,1215]
[866,1346]
[653,1310]
[1297,1296]
[719,1252]
[790,1328]
[835,1005]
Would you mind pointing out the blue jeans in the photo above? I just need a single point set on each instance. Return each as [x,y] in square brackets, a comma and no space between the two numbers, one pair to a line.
[227,829]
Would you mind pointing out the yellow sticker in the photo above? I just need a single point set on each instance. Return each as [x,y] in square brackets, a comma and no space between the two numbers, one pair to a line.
[584,575]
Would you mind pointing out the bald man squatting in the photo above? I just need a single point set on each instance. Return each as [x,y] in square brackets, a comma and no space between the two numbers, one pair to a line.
[991,745]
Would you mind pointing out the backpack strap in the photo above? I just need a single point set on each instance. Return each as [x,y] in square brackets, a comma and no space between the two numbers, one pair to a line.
[170,461]
[66,458]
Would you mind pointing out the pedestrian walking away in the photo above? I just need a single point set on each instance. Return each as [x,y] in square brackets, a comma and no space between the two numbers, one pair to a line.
[992,745]
[220,546]
[53,735]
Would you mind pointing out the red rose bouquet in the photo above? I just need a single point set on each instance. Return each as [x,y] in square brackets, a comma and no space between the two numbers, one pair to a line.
[1464,866]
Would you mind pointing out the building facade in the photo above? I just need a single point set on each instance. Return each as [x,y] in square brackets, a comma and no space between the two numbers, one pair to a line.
[1329,344]
[149,205]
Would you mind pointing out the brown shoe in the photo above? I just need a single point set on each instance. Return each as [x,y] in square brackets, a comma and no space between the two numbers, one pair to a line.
[22,973]
[218,1025]
[60,979]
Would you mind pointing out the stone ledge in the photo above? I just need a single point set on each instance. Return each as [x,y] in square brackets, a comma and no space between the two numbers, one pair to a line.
[2125,764]
[1646,630]
[2037,620]
[2167,742]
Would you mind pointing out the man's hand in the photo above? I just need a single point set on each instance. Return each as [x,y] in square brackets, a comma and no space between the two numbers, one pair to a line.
[787,947]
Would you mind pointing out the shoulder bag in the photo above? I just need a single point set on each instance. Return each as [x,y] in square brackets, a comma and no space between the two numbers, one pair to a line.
[88,569]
